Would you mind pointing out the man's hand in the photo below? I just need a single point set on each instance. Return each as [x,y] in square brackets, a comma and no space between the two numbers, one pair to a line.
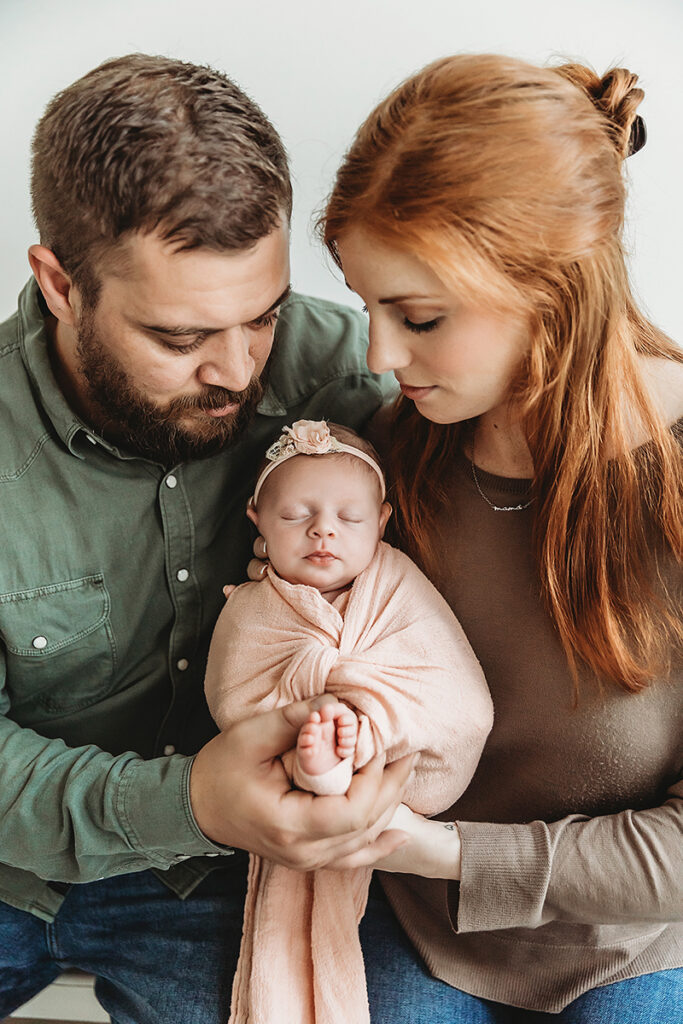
[241,796]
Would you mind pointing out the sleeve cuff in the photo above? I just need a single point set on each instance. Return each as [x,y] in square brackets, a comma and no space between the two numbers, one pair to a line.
[504,878]
[154,808]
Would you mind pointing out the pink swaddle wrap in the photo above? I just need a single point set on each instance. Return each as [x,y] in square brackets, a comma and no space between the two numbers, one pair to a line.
[397,656]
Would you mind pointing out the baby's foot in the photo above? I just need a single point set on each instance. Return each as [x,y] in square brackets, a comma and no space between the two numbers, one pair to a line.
[328,737]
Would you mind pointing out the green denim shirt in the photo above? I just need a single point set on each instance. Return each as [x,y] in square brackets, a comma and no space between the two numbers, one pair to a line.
[111,576]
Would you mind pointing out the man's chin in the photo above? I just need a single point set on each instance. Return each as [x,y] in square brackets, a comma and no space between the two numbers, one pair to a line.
[190,436]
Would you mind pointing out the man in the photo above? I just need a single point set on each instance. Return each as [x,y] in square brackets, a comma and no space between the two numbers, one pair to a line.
[139,386]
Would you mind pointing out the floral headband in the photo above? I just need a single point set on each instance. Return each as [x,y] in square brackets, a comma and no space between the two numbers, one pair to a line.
[310,437]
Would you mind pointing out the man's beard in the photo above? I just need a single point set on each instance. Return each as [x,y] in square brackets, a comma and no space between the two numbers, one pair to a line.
[158,432]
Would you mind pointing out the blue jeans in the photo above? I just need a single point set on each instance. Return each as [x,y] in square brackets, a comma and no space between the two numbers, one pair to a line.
[157,959]
[401,990]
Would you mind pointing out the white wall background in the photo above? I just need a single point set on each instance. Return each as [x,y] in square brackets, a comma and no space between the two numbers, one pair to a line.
[318,66]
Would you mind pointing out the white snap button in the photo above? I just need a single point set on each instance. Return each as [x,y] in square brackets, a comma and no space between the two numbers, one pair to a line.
[171,481]
[182,664]
[169,749]
[39,642]
[182,575]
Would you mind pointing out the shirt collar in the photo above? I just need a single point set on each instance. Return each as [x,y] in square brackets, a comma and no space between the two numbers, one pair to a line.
[34,342]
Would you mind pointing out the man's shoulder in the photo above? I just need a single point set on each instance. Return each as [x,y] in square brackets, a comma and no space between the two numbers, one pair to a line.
[324,338]
[9,334]
[22,431]
[318,368]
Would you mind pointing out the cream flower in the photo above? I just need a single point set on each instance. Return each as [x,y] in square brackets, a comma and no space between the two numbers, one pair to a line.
[311,437]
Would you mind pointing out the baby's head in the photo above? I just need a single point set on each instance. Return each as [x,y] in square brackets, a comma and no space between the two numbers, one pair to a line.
[319,504]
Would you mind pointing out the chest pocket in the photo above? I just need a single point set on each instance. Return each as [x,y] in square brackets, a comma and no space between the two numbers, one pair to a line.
[59,647]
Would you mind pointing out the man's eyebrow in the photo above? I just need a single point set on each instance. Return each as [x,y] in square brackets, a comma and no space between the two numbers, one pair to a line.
[185,332]
[278,302]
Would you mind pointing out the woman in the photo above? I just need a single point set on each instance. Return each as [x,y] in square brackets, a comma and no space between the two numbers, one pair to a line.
[537,480]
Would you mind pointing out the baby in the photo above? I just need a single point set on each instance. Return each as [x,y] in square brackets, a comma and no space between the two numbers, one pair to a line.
[338,612]
[322,520]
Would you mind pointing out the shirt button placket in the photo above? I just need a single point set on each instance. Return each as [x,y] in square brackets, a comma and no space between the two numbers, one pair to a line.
[179,545]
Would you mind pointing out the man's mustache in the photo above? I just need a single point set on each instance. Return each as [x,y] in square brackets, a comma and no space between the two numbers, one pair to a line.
[215,397]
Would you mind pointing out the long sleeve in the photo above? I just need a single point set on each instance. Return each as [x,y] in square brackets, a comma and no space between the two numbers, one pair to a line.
[612,869]
[73,814]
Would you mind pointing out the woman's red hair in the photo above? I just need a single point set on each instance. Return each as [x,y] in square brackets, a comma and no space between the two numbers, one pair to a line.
[506,180]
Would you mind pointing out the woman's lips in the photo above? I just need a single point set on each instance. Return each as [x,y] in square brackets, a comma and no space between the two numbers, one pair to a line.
[417,393]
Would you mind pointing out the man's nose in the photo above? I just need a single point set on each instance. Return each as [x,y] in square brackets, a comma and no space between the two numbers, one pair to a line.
[386,351]
[226,361]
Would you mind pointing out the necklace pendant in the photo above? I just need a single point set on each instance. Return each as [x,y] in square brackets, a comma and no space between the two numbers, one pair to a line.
[497,508]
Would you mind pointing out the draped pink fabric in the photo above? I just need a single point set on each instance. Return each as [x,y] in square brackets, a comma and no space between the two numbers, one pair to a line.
[399,657]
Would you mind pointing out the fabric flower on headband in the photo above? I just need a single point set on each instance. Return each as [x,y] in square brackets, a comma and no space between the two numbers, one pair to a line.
[305,437]
[310,437]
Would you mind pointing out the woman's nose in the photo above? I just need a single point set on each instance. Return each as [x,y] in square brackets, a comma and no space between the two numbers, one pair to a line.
[385,349]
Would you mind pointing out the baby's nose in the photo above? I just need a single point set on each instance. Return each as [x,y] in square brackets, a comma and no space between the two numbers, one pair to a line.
[322,526]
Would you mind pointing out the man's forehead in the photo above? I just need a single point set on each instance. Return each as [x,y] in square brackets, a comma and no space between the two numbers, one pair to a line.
[152,278]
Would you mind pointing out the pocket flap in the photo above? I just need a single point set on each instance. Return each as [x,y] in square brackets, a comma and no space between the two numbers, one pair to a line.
[39,622]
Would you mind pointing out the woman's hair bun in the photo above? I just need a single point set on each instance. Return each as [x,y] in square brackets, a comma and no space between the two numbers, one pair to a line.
[617,96]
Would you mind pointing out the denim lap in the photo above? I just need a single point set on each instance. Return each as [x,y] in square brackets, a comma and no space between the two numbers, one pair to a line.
[156,958]
[402,991]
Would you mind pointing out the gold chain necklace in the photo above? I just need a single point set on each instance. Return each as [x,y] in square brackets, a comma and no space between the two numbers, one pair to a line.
[496,508]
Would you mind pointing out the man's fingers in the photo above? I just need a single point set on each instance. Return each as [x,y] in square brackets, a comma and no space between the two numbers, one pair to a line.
[274,732]
[271,733]
[380,787]
[256,570]
[367,807]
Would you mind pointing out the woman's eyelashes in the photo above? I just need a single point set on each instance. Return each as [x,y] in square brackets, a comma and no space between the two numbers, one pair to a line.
[417,327]
[423,327]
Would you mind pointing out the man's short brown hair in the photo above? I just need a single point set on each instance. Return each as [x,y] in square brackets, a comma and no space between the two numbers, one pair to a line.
[145,143]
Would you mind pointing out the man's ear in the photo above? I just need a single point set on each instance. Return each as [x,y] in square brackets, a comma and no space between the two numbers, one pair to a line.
[384,516]
[53,281]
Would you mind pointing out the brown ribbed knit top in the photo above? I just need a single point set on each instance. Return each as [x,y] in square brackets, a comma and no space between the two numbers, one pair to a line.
[571,828]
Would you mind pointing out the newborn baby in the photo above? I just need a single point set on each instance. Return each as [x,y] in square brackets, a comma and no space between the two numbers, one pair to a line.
[322,520]
[338,612]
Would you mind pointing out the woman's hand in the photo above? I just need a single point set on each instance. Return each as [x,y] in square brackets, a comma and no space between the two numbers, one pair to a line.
[430,848]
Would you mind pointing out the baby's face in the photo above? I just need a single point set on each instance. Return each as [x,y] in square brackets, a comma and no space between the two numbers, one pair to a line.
[322,519]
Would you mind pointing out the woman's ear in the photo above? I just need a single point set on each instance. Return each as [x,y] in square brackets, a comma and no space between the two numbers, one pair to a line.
[53,281]
[384,517]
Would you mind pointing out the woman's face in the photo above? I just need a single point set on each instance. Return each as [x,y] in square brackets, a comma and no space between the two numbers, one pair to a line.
[453,359]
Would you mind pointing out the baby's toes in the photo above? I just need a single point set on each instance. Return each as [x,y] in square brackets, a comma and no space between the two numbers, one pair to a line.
[308,735]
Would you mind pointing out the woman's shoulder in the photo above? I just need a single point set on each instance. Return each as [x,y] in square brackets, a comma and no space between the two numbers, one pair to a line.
[664,381]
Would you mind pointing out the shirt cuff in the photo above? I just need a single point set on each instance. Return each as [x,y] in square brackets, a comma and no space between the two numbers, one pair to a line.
[504,878]
[155,811]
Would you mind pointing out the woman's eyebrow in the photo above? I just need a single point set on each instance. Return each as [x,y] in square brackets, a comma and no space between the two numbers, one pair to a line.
[404,298]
